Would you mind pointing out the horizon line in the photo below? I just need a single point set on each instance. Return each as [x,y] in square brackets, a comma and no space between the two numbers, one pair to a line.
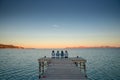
[105,46]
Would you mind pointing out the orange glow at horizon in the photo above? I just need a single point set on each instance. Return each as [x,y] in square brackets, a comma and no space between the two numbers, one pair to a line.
[66,45]
[60,42]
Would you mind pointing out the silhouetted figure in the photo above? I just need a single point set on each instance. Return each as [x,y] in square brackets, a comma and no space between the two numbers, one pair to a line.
[62,54]
[57,54]
[66,54]
[53,54]
[77,56]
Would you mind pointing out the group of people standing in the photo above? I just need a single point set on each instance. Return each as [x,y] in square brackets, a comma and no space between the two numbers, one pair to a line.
[58,54]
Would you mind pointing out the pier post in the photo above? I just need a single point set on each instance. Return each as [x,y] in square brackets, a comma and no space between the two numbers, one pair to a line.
[43,64]
[85,70]
[78,64]
[39,70]
[81,63]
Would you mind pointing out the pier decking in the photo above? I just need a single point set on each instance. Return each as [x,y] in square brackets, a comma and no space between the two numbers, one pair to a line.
[62,69]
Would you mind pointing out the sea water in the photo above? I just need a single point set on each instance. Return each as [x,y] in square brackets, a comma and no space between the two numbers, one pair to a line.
[22,64]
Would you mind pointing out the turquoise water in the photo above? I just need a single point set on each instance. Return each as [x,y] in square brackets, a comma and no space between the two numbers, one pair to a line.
[22,64]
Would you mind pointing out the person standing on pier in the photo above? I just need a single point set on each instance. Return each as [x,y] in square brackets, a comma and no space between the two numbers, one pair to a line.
[62,54]
[66,54]
[53,54]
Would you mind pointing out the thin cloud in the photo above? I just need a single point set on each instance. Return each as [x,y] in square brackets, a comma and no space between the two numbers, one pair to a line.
[55,26]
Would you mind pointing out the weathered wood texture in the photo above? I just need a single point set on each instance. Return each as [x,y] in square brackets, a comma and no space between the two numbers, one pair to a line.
[64,69]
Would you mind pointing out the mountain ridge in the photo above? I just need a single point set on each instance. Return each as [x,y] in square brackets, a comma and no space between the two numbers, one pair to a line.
[10,46]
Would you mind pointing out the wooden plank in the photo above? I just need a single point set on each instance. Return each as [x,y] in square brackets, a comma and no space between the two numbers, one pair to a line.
[63,69]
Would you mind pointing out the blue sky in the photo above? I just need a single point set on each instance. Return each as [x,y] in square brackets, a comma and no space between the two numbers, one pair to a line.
[60,23]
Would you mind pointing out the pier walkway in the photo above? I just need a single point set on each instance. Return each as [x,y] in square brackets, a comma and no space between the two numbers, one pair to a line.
[62,69]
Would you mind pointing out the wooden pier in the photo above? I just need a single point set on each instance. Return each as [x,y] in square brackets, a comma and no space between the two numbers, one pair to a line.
[62,68]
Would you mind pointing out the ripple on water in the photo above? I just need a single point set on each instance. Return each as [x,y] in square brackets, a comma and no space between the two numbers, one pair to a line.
[102,64]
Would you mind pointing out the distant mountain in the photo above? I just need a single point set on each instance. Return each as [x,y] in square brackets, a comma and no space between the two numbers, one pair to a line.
[92,47]
[10,46]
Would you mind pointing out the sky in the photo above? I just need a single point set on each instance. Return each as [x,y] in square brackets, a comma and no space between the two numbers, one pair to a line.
[60,23]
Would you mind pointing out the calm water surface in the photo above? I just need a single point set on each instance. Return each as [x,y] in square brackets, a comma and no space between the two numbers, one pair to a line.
[22,64]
